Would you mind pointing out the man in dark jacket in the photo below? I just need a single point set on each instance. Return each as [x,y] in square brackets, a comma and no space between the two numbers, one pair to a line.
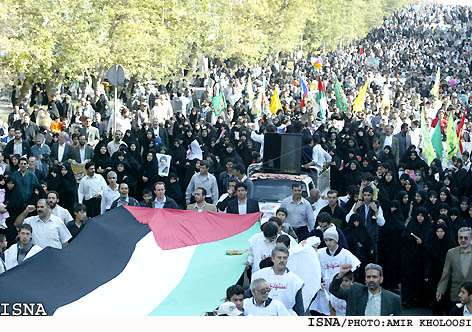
[242,205]
[162,201]
[369,299]
[464,308]
[124,199]
[10,147]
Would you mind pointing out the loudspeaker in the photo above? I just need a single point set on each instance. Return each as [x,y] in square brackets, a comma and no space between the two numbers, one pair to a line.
[282,153]
[290,153]
[271,157]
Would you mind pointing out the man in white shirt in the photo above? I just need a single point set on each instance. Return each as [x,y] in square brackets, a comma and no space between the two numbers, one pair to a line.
[91,189]
[110,193]
[114,145]
[56,209]
[260,304]
[48,230]
[371,214]
[22,250]
[284,285]
[320,156]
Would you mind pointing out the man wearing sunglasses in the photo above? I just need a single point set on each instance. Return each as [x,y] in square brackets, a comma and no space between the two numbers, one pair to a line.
[260,304]
[457,267]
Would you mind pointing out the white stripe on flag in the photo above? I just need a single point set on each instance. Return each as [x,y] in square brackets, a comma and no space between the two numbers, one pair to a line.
[148,278]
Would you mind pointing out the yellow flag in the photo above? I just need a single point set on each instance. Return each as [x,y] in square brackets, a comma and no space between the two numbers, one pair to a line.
[435,88]
[250,91]
[275,104]
[386,97]
[359,102]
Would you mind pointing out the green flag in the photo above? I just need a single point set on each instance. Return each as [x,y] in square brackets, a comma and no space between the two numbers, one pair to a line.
[436,141]
[219,103]
[341,101]
[452,139]
[428,147]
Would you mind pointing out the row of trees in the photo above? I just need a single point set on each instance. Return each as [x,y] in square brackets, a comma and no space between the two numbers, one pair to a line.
[45,40]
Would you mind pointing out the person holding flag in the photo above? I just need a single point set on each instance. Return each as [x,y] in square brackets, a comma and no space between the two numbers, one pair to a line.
[321,103]
[452,139]
[359,102]
[341,101]
[426,140]
[303,91]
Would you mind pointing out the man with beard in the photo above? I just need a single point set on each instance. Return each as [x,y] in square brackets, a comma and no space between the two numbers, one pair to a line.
[368,300]
[56,209]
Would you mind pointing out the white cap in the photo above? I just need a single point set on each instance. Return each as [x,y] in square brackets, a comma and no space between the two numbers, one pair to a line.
[228,309]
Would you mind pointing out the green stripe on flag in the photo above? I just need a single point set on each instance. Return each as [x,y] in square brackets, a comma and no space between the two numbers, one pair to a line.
[209,273]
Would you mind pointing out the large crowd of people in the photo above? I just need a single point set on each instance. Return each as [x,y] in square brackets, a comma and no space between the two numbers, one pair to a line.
[391,217]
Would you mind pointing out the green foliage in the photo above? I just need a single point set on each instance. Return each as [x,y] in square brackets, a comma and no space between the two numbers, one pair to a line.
[340,22]
[47,39]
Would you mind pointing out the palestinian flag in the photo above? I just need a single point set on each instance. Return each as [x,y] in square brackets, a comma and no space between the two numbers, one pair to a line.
[137,262]
[321,105]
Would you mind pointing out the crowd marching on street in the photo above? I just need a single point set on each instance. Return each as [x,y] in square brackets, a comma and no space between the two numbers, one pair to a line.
[388,116]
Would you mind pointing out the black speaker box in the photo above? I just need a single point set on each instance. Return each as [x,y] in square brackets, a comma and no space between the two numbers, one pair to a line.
[282,153]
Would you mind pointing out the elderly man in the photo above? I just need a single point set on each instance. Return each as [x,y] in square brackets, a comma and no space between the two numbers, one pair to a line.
[300,213]
[60,151]
[260,304]
[110,193]
[48,230]
[284,285]
[457,267]
[22,250]
[369,299]
[387,139]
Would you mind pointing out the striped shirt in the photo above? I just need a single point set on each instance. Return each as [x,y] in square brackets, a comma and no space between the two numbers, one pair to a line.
[52,233]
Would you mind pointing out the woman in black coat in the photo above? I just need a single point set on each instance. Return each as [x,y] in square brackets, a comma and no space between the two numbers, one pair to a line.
[352,173]
[416,241]
[359,242]
[389,250]
[436,257]
[15,205]
[67,188]
[405,204]
[149,172]
[390,184]
[102,160]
